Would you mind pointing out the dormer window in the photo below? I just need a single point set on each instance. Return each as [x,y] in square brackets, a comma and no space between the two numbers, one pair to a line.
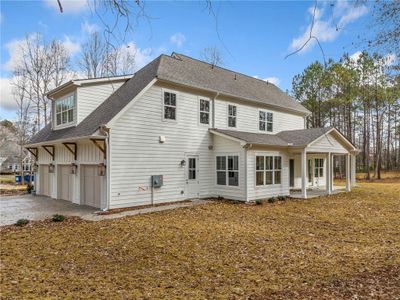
[64,108]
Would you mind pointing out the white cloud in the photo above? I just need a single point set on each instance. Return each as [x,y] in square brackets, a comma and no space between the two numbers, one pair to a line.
[7,100]
[71,46]
[177,39]
[273,80]
[141,56]
[69,6]
[89,28]
[328,25]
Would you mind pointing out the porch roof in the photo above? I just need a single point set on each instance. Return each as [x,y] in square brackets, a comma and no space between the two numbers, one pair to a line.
[290,138]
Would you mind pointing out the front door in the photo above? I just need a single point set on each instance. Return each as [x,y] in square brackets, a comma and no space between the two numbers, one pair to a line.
[291,171]
[192,176]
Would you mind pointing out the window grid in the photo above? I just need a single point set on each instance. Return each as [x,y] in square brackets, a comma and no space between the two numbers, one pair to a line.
[265,121]
[232,114]
[227,168]
[169,106]
[204,111]
[65,110]
[268,170]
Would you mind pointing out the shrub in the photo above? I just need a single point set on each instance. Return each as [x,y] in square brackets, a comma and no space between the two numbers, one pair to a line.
[281,198]
[259,202]
[22,222]
[271,200]
[58,218]
[29,188]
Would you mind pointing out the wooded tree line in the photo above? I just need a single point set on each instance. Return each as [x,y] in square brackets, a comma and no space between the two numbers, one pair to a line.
[360,96]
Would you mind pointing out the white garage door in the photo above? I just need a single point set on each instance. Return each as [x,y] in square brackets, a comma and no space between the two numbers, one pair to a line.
[44,180]
[90,186]
[65,182]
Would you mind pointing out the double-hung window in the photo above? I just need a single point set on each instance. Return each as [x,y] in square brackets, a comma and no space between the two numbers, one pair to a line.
[232,114]
[265,121]
[227,168]
[65,110]
[204,111]
[268,170]
[169,106]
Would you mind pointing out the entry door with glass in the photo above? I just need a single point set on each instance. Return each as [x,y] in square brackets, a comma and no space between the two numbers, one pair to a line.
[318,171]
[192,176]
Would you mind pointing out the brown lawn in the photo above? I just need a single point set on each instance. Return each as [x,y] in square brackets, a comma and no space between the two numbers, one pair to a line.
[337,247]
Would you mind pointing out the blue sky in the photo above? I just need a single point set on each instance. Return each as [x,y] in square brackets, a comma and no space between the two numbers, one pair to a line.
[254,36]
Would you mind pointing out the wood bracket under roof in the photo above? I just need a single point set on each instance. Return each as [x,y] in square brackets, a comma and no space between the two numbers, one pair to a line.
[51,151]
[33,151]
[73,148]
[101,145]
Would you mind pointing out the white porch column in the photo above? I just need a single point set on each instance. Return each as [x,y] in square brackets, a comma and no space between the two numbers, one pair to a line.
[304,173]
[348,179]
[353,170]
[329,174]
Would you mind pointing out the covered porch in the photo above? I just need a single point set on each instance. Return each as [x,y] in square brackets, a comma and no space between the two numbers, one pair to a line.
[317,171]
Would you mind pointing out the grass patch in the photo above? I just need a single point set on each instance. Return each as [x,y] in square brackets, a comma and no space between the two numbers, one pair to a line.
[214,251]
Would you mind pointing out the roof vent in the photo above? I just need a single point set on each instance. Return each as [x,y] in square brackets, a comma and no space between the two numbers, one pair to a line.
[235,76]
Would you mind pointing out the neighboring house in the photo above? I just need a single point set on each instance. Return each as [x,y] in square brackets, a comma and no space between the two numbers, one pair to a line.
[206,130]
[12,164]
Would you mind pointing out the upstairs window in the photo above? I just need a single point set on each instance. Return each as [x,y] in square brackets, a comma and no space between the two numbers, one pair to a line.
[65,110]
[265,121]
[204,111]
[169,106]
[268,170]
[232,112]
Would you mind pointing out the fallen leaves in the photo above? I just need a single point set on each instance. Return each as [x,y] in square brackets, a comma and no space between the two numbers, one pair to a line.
[321,247]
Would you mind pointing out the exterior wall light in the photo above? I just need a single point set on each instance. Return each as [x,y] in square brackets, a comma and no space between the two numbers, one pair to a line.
[74,168]
[35,168]
[51,168]
[183,163]
[101,169]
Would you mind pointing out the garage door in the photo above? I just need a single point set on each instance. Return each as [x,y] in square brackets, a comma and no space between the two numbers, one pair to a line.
[44,180]
[65,182]
[90,186]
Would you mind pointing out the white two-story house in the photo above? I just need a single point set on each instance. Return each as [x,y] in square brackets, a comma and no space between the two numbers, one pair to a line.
[180,129]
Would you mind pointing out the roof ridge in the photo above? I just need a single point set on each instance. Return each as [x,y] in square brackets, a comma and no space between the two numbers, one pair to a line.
[228,70]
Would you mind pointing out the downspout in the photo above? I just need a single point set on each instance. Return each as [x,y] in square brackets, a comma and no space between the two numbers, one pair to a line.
[106,131]
[246,148]
[213,109]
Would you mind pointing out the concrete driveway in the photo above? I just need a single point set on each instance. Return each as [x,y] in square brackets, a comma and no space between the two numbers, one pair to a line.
[13,208]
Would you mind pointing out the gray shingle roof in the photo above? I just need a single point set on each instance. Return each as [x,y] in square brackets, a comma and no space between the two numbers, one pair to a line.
[290,138]
[254,138]
[178,69]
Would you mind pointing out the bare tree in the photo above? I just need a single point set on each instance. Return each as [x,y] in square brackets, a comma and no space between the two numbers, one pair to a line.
[213,56]
[92,56]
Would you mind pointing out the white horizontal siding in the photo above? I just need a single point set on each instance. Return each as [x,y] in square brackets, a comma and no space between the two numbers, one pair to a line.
[248,118]
[136,153]
[266,191]
[327,143]
[90,97]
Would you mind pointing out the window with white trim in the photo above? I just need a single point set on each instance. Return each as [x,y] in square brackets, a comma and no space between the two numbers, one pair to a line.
[204,111]
[64,108]
[232,113]
[265,121]
[227,168]
[319,167]
[169,106]
[268,170]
